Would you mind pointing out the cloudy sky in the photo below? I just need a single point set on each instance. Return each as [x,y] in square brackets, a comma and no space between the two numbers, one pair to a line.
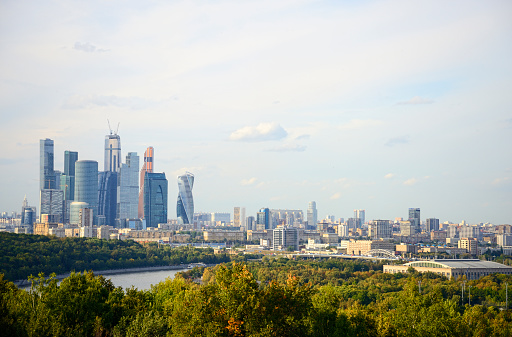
[378,105]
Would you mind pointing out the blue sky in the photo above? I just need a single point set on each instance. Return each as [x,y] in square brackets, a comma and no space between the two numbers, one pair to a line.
[378,105]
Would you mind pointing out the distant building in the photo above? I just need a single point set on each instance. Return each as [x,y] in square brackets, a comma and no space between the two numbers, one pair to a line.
[146,167]
[312,214]
[112,161]
[86,184]
[432,225]
[51,201]
[239,217]
[406,228]
[360,214]
[378,229]
[107,196]
[128,188]
[155,199]
[185,204]
[251,223]
[453,268]
[504,240]
[362,247]
[224,218]
[415,219]
[263,219]
[470,244]
[284,237]
[46,161]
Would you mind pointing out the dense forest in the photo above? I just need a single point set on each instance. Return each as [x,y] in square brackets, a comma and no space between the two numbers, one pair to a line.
[23,255]
[274,297]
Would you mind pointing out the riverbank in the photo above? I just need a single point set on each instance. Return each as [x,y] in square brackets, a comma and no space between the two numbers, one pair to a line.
[25,283]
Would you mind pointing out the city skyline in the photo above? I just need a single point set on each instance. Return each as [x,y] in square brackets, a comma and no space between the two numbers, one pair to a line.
[381,106]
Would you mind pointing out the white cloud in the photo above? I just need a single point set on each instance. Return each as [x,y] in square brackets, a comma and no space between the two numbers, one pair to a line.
[416,100]
[88,48]
[335,196]
[410,182]
[249,181]
[261,132]
[389,176]
[501,181]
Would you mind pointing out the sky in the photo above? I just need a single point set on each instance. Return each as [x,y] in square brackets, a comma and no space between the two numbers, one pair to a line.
[375,105]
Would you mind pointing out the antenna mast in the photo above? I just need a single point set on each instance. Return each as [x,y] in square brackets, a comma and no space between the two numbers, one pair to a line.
[117,127]
[109,126]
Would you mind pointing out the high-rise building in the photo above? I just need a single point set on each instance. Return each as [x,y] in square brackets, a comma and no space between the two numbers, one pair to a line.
[146,167]
[250,223]
[312,214]
[86,184]
[185,204]
[51,203]
[67,182]
[155,199]
[112,161]
[359,214]
[239,217]
[414,218]
[107,196]
[284,237]
[378,229]
[28,213]
[263,219]
[432,224]
[46,161]
[128,188]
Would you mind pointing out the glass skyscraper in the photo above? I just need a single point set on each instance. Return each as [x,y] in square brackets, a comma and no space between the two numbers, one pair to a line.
[185,205]
[155,199]
[107,196]
[146,167]
[112,153]
[312,214]
[46,173]
[86,184]
[128,188]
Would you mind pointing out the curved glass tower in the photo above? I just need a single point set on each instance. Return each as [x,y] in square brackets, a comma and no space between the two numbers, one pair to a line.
[185,206]
[86,184]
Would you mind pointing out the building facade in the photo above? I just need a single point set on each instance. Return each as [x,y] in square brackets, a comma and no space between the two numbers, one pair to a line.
[378,229]
[112,161]
[52,203]
[415,219]
[86,184]
[432,224]
[312,214]
[360,214]
[185,203]
[128,188]
[107,197]
[146,167]
[284,237]
[46,162]
[155,199]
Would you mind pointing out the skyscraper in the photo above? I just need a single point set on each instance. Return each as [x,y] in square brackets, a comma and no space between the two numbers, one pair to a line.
[239,217]
[67,182]
[312,214]
[46,160]
[263,219]
[185,204]
[155,199]
[51,204]
[146,167]
[107,196]
[359,214]
[284,237]
[86,184]
[112,152]
[128,188]
[414,218]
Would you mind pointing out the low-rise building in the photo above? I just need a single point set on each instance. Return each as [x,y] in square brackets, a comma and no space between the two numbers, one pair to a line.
[220,235]
[362,247]
[472,269]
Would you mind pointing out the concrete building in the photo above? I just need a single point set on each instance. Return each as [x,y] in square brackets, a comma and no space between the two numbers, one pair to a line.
[284,237]
[239,217]
[221,235]
[407,228]
[362,247]
[379,229]
[415,219]
[503,240]
[470,244]
[432,224]
[472,269]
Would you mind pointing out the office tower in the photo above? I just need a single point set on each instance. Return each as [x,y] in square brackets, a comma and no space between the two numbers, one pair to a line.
[185,205]
[85,217]
[86,184]
[359,214]
[51,204]
[250,223]
[312,215]
[353,223]
[217,217]
[236,217]
[378,229]
[107,196]
[146,167]
[263,219]
[432,224]
[112,152]
[407,228]
[128,188]
[155,199]
[46,174]
[414,218]
[66,182]
[284,237]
